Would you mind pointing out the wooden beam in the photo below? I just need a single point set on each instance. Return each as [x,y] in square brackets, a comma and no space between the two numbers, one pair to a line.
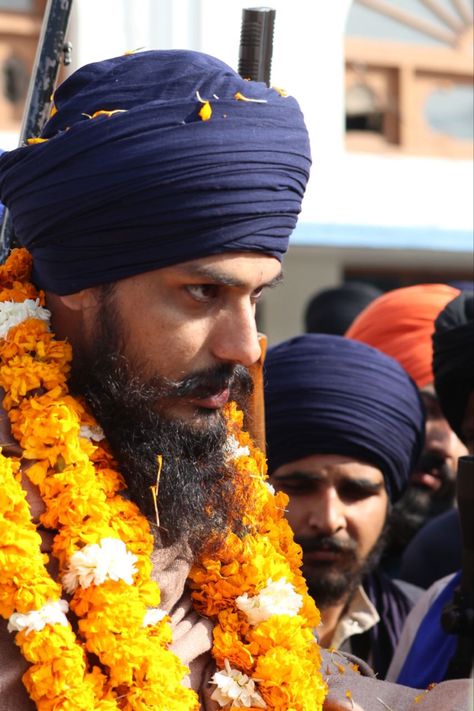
[450,20]
[464,11]
[422,58]
[407,101]
[409,20]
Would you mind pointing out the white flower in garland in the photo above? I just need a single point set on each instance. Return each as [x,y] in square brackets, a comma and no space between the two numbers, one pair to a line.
[233,449]
[52,613]
[12,313]
[277,598]
[153,616]
[98,562]
[236,689]
[94,433]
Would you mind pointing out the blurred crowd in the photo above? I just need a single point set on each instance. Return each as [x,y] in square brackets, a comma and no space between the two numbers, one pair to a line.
[369,417]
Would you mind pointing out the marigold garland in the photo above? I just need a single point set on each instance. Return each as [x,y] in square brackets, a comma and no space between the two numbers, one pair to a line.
[119,658]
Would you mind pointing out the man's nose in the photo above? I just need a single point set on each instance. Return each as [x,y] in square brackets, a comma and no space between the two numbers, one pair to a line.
[327,514]
[235,338]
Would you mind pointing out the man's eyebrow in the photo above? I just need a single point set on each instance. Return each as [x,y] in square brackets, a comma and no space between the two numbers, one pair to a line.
[367,484]
[210,273]
[296,475]
[359,482]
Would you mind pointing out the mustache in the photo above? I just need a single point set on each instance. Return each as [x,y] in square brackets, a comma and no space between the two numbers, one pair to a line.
[204,383]
[326,543]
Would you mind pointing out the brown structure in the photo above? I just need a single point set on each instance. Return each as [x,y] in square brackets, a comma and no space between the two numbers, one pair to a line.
[19,33]
[389,83]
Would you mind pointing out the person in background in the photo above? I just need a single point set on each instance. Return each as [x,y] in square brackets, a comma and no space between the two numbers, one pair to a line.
[332,310]
[436,550]
[401,324]
[425,649]
[345,425]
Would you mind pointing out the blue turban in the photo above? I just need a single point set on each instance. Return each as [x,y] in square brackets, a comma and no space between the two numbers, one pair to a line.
[327,394]
[134,176]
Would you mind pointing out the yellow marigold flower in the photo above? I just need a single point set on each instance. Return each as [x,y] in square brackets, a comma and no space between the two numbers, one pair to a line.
[17,268]
[241,97]
[103,112]
[205,112]
[282,631]
[228,645]
[80,486]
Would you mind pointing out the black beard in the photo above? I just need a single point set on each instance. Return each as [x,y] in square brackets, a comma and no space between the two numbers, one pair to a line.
[197,503]
[334,582]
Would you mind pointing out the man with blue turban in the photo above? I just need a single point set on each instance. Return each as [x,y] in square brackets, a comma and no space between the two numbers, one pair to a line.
[344,426]
[156,205]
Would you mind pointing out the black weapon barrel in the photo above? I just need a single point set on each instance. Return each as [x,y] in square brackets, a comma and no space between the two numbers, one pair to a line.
[49,54]
[256,43]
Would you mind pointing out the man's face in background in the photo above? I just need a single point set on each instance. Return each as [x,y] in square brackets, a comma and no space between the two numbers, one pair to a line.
[432,486]
[337,510]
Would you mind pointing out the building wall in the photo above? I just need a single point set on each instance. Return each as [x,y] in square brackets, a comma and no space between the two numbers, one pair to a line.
[308,269]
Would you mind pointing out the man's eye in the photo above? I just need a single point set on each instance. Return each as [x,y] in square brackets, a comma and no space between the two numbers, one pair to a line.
[356,493]
[202,292]
[256,295]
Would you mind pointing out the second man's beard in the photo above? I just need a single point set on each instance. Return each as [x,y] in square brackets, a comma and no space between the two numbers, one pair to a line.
[332,583]
[197,500]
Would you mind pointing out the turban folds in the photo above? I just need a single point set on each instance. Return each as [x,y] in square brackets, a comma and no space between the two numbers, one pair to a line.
[453,358]
[326,394]
[138,172]
[401,323]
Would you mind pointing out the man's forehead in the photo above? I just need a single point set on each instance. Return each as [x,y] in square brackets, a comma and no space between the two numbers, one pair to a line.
[321,465]
[234,267]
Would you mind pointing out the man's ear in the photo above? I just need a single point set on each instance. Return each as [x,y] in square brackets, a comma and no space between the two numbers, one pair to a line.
[72,313]
[79,301]
[71,301]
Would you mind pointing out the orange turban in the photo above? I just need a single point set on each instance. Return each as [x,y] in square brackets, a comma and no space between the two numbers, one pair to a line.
[401,323]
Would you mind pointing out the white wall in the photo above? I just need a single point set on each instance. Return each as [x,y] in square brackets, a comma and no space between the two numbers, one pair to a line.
[308,269]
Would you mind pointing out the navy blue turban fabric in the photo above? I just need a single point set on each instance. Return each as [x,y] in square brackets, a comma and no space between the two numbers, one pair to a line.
[135,177]
[326,394]
[453,358]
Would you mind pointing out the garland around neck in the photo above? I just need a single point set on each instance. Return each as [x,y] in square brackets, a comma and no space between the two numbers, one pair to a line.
[106,646]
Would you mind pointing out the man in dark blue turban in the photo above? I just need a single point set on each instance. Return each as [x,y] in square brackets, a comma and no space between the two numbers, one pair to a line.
[157,205]
[344,427]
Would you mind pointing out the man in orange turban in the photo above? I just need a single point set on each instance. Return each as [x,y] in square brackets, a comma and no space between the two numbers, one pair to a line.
[401,324]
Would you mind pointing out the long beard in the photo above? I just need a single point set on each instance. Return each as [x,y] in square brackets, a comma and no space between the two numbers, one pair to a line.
[197,501]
